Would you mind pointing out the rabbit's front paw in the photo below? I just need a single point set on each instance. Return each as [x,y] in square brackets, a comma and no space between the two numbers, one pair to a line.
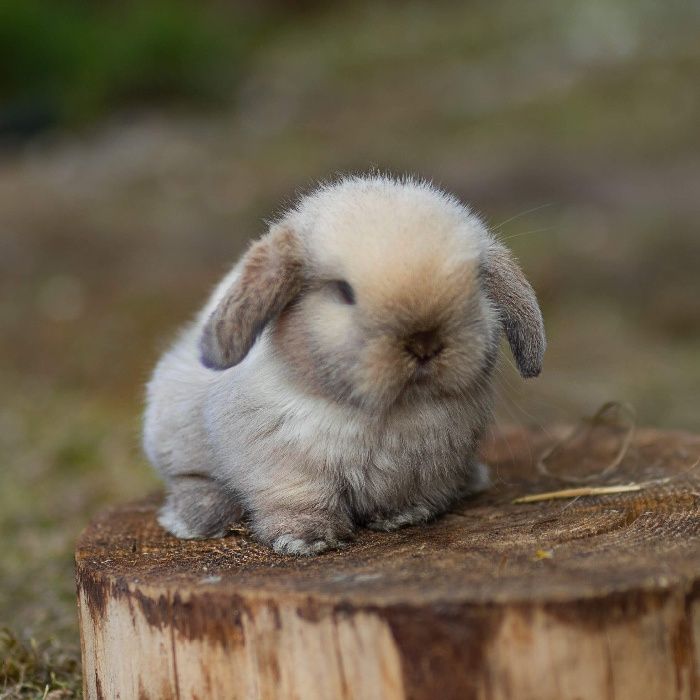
[411,516]
[303,534]
[291,544]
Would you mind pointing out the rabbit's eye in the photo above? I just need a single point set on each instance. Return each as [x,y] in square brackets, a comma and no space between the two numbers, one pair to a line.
[345,291]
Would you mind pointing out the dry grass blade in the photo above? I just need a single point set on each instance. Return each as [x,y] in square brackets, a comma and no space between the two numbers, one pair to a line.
[580,491]
[585,491]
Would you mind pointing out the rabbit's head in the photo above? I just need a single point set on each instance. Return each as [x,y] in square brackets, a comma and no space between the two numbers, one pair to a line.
[376,291]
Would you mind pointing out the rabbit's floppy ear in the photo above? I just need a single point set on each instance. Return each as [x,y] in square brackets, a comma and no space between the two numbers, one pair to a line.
[507,287]
[270,277]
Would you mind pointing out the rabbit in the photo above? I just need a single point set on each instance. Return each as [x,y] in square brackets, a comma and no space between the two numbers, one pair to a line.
[341,374]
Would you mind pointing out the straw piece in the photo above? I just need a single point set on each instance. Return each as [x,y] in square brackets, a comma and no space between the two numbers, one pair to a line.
[586,491]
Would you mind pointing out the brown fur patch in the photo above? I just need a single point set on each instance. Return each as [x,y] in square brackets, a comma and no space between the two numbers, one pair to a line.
[420,298]
[270,279]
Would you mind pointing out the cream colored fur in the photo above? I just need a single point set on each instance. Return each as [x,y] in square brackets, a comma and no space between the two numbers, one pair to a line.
[314,414]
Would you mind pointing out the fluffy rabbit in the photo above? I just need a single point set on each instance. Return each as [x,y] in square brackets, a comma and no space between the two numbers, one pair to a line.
[340,374]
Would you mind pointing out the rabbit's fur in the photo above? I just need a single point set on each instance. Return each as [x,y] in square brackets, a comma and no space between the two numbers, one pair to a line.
[340,374]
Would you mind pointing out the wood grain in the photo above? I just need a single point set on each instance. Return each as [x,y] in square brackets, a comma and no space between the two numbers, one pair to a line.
[596,598]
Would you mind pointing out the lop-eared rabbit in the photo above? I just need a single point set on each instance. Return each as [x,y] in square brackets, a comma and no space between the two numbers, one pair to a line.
[341,374]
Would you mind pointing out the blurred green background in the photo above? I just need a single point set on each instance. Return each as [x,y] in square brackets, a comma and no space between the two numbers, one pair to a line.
[143,143]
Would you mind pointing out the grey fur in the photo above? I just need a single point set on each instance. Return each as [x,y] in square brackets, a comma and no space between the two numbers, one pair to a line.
[329,421]
[521,316]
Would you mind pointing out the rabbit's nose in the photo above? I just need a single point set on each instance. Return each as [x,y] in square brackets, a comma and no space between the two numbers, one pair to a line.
[424,345]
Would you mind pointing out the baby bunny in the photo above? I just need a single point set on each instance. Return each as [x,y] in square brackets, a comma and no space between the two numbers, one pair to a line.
[340,374]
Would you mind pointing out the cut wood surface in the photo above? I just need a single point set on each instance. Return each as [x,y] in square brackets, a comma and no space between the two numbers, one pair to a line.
[591,598]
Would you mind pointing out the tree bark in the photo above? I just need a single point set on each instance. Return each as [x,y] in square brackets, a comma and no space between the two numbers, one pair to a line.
[595,598]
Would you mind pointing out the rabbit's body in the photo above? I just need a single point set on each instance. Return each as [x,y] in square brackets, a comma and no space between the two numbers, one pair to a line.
[362,401]
[251,431]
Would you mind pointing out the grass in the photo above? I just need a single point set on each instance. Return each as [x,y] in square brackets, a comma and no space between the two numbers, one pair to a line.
[30,669]
[69,61]
[112,234]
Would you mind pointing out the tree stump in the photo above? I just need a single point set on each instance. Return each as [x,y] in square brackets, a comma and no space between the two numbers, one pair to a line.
[595,598]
